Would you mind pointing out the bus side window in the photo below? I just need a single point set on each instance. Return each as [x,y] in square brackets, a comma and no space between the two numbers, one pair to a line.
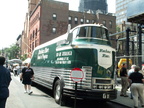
[104,34]
[75,32]
[82,32]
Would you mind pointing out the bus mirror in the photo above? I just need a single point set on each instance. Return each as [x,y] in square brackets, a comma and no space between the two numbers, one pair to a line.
[70,37]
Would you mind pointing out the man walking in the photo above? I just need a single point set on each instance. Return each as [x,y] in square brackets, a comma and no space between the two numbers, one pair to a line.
[124,80]
[27,76]
[5,79]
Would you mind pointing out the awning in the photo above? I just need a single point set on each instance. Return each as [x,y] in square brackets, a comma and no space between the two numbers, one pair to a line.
[27,60]
[15,61]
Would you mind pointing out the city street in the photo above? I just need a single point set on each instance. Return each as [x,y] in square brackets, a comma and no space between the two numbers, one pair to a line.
[43,99]
[18,99]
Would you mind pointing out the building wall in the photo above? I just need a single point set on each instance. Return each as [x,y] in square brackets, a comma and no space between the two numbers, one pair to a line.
[24,41]
[51,18]
[122,24]
[34,32]
[32,5]
[49,24]
[93,5]
[107,20]
[121,10]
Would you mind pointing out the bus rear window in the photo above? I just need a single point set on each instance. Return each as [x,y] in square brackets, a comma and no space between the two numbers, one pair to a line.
[92,31]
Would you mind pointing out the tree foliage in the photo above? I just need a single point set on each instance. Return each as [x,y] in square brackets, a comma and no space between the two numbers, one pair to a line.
[13,52]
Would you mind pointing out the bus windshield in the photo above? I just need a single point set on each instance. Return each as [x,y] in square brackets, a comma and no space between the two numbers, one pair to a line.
[93,31]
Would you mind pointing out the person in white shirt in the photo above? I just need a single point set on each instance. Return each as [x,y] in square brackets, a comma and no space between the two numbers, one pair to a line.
[129,72]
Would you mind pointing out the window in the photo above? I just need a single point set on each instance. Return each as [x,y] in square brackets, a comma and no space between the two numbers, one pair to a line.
[92,31]
[31,37]
[93,21]
[33,34]
[104,22]
[70,19]
[76,20]
[54,16]
[36,32]
[87,21]
[33,46]
[54,30]
[75,33]
[82,21]
[110,24]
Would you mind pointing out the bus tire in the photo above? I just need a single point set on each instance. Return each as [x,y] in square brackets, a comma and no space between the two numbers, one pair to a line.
[58,94]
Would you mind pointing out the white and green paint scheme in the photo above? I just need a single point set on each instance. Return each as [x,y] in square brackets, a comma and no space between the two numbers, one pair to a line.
[86,47]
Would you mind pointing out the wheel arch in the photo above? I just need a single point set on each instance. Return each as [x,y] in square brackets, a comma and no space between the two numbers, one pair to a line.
[61,81]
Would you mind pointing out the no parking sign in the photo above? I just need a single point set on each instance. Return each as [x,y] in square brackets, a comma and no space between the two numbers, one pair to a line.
[77,74]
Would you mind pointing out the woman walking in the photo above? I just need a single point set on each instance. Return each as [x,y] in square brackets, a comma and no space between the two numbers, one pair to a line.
[137,87]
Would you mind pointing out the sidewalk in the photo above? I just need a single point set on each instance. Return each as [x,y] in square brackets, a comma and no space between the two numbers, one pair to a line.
[126,101]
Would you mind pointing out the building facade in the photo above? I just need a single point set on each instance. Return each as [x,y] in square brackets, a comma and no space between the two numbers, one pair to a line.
[123,23]
[49,19]
[25,37]
[93,5]
[121,10]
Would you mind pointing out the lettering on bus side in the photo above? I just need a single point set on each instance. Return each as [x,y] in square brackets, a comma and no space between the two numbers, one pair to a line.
[63,57]
[43,53]
[105,51]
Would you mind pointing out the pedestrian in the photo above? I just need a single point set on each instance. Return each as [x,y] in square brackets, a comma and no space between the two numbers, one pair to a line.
[116,75]
[26,77]
[124,80]
[5,78]
[129,72]
[137,87]
[18,69]
[15,70]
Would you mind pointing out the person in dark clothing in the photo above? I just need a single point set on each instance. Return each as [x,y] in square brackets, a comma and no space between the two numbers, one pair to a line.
[137,87]
[5,79]
[124,80]
[27,76]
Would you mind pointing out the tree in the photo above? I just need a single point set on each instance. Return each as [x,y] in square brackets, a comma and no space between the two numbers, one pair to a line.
[23,57]
[12,52]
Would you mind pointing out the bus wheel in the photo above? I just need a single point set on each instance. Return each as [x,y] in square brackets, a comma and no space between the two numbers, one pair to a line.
[58,95]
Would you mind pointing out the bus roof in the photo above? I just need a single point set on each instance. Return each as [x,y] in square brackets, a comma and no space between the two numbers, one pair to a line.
[64,36]
[82,25]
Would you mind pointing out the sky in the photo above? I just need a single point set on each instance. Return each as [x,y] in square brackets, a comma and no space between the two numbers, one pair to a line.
[13,14]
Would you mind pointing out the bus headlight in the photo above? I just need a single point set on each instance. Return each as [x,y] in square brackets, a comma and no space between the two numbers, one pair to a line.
[109,87]
[104,86]
[100,87]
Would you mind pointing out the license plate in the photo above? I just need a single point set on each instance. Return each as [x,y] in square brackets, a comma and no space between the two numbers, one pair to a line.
[106,96]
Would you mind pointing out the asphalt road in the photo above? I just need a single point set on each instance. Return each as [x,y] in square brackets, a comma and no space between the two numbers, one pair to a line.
[42,98]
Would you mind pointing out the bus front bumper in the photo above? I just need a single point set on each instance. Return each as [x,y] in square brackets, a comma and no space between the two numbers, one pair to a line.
[91,94]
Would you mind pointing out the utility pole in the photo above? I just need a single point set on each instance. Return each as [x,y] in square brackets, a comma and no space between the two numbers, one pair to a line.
[140,45]
[127,45]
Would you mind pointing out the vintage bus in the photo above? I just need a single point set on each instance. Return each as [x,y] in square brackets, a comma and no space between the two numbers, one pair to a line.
[86,47]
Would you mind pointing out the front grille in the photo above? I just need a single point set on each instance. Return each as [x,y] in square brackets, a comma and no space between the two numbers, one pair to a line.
[103,81]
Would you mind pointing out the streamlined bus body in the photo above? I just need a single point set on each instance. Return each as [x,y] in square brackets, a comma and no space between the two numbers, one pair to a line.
[86,47]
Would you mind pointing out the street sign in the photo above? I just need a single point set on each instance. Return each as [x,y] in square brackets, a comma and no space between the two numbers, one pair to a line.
[77,74]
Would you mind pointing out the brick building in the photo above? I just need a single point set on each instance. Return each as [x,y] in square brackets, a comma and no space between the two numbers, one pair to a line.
[49,19]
